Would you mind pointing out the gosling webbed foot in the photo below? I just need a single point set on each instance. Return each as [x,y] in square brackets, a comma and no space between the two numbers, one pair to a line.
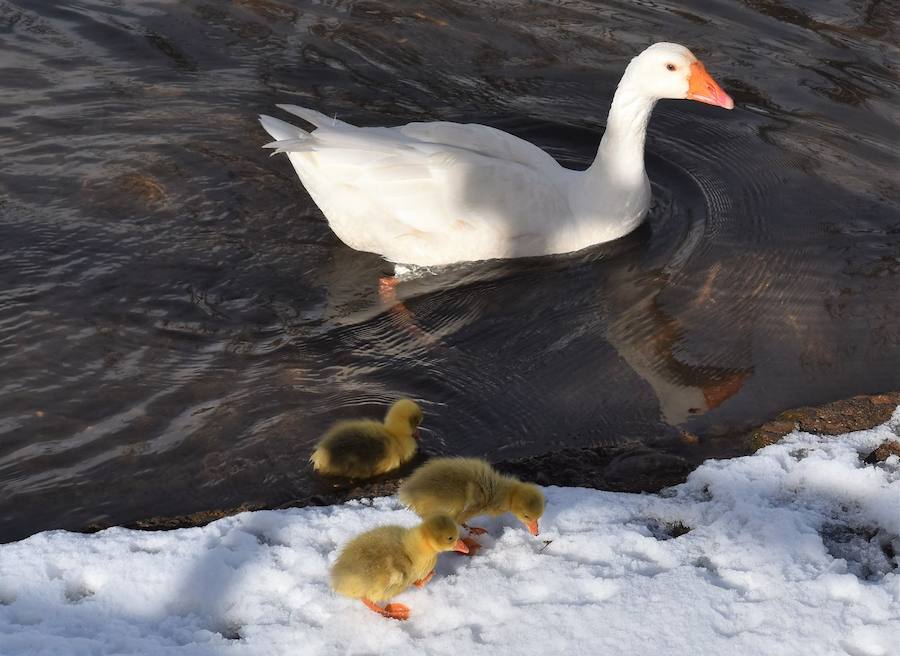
[391,611]
[421,582]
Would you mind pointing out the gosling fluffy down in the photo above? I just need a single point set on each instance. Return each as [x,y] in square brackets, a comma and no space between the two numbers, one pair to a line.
[367,448]
[381,563]
[468,487]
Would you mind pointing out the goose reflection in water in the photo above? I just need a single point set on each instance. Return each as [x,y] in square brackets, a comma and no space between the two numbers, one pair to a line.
[422,315]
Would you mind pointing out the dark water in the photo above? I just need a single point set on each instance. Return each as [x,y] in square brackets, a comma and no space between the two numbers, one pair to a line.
[177,322]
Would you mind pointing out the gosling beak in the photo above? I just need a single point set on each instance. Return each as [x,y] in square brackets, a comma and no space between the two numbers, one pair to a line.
[702,87]
[417,435]
[461,547]
[532,526]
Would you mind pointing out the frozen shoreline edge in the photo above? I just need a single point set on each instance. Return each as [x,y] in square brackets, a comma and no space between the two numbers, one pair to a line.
[627,468]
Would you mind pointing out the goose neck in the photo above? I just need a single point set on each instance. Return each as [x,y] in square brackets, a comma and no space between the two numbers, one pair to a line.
[622,147]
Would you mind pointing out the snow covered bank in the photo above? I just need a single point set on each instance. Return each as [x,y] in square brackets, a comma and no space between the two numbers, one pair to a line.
[789,552]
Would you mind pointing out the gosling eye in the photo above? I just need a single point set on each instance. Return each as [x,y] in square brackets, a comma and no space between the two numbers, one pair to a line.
[450,539]
[671,67]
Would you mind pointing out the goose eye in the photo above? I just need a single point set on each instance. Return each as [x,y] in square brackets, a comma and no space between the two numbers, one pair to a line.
[670,67]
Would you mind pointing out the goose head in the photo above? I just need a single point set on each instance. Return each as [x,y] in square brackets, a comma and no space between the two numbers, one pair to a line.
[669,70]
[441,533]
[403,418]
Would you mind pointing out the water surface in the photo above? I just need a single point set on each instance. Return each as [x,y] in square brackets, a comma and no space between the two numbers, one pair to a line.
[178,323]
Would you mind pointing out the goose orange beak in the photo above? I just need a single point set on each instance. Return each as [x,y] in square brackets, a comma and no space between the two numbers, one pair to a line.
[532,526]
[703,88]
[461,547]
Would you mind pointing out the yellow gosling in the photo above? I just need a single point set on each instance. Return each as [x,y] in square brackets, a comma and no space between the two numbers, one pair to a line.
[367,448]
[467,487]
[380,564]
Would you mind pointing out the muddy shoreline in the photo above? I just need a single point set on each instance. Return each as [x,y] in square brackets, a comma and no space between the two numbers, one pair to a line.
[626,468]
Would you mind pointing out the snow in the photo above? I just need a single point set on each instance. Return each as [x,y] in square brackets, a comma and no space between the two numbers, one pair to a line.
[788,553]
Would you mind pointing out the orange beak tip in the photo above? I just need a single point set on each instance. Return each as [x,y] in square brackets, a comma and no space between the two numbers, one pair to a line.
[702,88]
[461,547]
[533,527]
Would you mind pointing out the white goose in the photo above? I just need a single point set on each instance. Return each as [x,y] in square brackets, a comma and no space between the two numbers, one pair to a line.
[438,193]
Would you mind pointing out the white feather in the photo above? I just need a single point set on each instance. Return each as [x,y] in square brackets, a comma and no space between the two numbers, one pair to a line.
[279,129]
[436,193]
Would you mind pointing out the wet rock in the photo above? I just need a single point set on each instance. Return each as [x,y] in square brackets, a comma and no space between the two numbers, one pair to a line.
[667,530]
[125,192]
[869,552]
[883,452]
[771,432]
[631,468]
[200,518]
[327,491]
[857,413]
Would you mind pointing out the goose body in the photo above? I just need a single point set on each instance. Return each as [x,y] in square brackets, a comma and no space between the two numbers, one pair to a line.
[437,193]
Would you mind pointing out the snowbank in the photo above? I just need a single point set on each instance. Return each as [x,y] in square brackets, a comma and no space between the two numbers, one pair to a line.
[789,552]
